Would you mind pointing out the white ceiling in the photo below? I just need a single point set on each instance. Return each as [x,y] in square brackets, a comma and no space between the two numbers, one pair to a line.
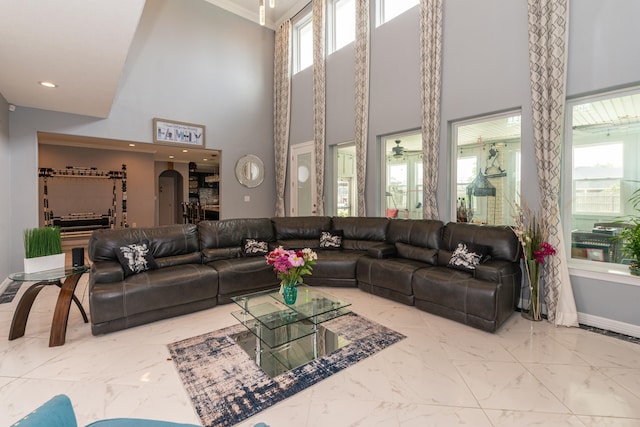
[82,46]
[249,9]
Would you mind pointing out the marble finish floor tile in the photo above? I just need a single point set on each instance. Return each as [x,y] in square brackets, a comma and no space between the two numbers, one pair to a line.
[443,374]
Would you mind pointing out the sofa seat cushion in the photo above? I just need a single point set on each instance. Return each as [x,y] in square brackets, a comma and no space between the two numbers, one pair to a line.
[297,244]
[391,273]
[336,264]
[152,290]
[457,290]
[237,276]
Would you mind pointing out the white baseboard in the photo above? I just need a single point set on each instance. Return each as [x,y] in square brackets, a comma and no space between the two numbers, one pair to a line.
[609,325]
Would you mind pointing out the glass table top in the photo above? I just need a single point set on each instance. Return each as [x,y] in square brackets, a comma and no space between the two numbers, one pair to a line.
[274,322]
[283,336]
[48,275]
[269,308]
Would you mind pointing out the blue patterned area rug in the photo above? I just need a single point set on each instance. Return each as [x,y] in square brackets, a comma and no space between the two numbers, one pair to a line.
[10,292]
[226,385]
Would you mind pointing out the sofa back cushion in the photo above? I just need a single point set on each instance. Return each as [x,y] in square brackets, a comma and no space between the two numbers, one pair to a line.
[425,233]
[500,238]
[164,241]
[223,239]
[361,233]
[416,239]
[297,232]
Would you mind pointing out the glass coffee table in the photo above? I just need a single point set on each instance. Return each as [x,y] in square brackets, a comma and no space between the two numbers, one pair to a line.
[284,336]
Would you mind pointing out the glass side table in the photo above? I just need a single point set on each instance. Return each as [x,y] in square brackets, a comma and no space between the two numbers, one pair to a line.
[70,276]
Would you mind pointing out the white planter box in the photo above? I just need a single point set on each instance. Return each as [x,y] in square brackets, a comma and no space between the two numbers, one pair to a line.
[51,262]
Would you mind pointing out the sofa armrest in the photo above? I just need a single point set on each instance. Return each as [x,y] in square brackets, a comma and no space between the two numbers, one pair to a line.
[382,250]
[494,270]
[106,272]
[56,412]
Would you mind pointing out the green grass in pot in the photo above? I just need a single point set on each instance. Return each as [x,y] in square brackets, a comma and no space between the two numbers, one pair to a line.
[42,241]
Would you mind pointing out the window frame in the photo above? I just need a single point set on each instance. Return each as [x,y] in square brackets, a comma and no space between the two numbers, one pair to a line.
[414,176]
[454,126]
[568,187]
[305,19]
[332,27]
[380,16]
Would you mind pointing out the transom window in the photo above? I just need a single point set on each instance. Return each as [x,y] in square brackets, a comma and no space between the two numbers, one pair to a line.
[303,43]
[389,9]
[342,23]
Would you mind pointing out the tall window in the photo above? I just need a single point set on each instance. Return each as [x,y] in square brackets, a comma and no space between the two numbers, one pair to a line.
[346,190]
[403,175]
[303,43]
[602,153]
[342,23]
[389,9]
[486,168]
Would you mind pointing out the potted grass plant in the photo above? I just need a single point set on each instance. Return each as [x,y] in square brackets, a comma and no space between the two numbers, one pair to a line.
[42,249]
[630,235]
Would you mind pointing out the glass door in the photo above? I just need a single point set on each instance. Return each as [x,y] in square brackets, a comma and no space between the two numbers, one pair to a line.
[302,181]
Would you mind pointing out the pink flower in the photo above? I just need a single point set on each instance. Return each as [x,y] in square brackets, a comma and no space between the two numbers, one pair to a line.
[545,250]
[296,261]
[291,265]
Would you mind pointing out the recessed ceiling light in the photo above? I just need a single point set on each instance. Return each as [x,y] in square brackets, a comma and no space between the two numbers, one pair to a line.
[185,151]
[132,145]
[205,159]
[48,84]
[171,157]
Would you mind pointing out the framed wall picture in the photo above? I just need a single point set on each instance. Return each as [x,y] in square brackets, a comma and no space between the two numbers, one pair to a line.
[174,132]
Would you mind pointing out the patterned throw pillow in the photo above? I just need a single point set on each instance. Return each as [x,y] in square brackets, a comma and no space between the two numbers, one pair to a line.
[254,247]
[331,239]
[468,255]
[136,258]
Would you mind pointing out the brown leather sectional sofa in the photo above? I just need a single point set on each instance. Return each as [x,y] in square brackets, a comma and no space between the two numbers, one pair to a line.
[407,261]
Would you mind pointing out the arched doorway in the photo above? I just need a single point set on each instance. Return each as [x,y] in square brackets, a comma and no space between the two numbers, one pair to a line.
[169,197]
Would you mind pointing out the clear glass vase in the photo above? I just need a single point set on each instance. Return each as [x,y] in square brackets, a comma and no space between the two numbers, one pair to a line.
[532,310]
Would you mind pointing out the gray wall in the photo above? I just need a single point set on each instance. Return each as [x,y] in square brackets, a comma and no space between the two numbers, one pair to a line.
[190,61]
[6,185]
[485,69]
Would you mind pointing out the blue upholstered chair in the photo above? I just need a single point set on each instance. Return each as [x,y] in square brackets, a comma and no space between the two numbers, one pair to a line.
[58,412]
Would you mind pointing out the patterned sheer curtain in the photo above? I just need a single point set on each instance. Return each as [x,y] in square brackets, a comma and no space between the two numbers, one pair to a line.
[362,98]
[548,30]
[281,109]
[319,12]
[430,81]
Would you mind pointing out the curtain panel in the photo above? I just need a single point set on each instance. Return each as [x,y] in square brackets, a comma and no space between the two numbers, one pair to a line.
[319,104]
[281,110]
[361,98]
[548,33]
[430,84]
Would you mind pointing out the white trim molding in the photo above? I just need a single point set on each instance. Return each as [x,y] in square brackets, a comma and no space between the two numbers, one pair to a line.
[609,325]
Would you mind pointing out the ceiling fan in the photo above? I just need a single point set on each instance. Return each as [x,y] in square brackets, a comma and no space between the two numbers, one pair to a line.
[398,150]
